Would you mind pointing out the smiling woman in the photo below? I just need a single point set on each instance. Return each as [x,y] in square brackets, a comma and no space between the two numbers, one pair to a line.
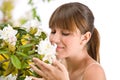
[77,39]
[106,16]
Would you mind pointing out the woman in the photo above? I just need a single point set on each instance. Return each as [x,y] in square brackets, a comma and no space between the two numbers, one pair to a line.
[77,40]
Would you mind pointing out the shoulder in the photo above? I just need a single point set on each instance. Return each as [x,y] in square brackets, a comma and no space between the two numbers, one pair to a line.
[94,71]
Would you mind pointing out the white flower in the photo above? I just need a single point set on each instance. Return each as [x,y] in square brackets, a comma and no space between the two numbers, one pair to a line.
[38,33]
[49,51]
[9,77]
[34,23]
[8,34]
[28,78]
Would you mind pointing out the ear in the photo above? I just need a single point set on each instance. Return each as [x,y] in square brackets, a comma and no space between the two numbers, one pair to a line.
[85,37]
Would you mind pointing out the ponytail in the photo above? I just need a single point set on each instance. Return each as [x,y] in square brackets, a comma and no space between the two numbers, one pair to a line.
[94,45]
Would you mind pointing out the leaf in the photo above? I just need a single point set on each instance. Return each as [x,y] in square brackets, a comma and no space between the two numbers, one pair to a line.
[21,32]
[27,45]
[31,52]
[43,35]
[30,2]
[2,25]
[38,18]
[22,54]
[15,61]
[25,65]
[10,68]
[3,51]
[34,12]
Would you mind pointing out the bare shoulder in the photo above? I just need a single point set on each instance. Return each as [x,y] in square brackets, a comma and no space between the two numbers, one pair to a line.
[94,72]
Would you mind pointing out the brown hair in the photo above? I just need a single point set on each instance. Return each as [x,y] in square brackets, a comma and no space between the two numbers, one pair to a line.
[74,13]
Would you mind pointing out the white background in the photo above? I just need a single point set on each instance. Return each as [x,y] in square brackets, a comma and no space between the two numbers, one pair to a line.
[107,21]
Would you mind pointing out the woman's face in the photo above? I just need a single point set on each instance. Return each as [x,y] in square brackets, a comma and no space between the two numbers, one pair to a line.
[68,43]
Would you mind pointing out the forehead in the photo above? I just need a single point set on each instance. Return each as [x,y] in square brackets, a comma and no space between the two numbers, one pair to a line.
[66,30]
[68,27]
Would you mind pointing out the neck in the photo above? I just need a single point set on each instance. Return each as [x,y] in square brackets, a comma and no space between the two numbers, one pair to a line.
[76,63]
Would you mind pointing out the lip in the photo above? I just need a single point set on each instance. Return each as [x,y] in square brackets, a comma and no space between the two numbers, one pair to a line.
[58,48]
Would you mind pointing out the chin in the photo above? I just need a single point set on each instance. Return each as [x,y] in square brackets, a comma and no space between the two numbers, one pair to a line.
[59,56]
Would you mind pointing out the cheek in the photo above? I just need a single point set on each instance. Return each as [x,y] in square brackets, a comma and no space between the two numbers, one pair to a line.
[70,42]
[67,41]
[50,38]
[73,43]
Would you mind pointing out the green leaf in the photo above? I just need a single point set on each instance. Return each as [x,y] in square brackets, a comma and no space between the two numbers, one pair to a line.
[22,31]
[30,2]
[43,35]
[3,25]
[22,54]
[21,78]
[25,65]
[3,51]
[15,61]
[10,68]
[38,18]
[34,12]
[31,52]
[27,45]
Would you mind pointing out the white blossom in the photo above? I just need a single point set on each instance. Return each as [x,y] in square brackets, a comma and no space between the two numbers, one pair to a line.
[8,34]
[34,23]
[28,78]
[38,33]
[49,51]
[9,77]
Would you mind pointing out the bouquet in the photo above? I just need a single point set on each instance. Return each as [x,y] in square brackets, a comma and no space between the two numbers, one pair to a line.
[18,45]
[20,41]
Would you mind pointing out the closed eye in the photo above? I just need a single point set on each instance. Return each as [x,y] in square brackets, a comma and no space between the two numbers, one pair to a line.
[65,34]
[53,32]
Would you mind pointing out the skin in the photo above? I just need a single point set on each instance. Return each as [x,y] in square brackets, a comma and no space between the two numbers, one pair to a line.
[76,63]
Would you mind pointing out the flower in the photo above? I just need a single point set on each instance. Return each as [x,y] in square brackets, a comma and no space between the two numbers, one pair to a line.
[18,45]
[9,77]
[28,78]
[8,34]
[31,25]
[47,50]
[21,40]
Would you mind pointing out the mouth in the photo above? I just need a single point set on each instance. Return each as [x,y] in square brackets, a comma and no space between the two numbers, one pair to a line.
[59,48]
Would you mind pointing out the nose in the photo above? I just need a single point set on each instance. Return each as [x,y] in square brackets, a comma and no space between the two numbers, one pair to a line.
[55,38]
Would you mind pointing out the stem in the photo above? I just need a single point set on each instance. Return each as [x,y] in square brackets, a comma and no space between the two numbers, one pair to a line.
[4,61]
[18,75]
[3,56]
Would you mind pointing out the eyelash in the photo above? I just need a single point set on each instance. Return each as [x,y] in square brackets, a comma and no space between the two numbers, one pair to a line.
[53,32]
[63,33]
